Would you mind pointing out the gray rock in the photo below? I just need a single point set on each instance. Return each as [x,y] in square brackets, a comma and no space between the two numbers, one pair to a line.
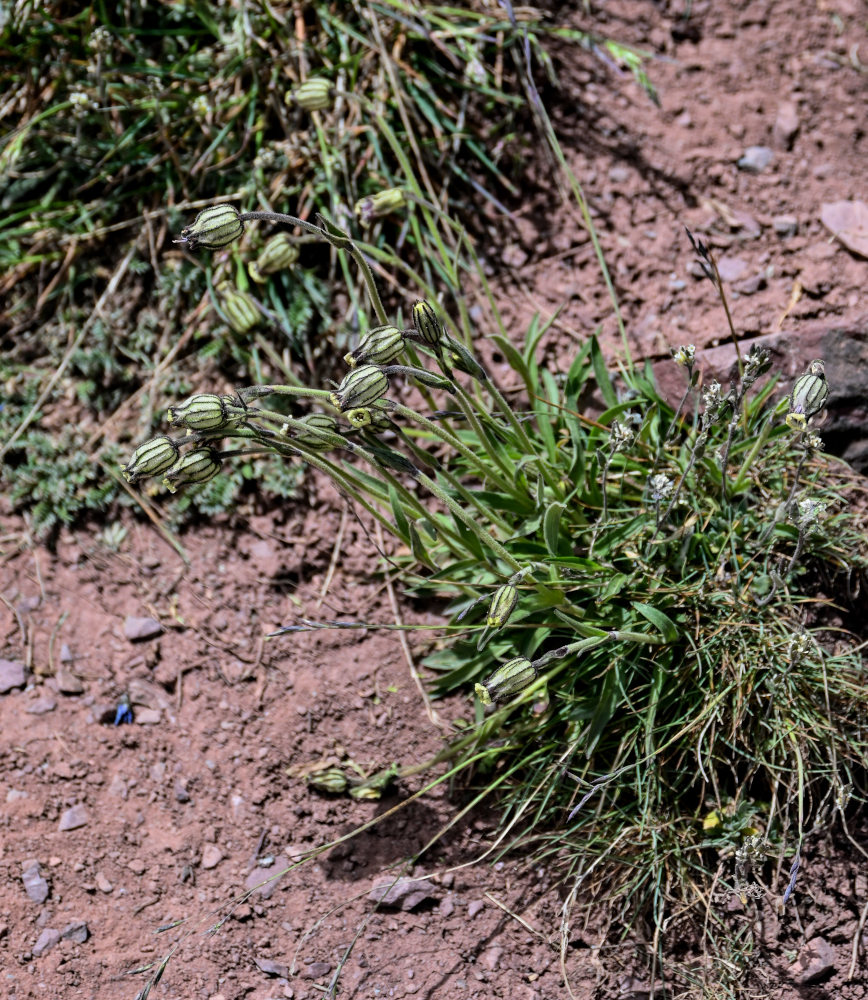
[316,970]
[140,629]
[34,884]
[733,268]
[258,875]
[786,124]
[756,159]
[76,931]
[404,894]
[475,907]
[785,225]
[41,706]
[816,960]
[68,683]
[45,942]
[12,675]
[73,818]
[272,968]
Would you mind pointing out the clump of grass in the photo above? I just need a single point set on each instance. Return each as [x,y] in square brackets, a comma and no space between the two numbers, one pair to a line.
[123,118]
[635,594]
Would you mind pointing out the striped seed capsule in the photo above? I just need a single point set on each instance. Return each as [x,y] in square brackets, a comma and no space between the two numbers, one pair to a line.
[240,309]
[318,427]
[377,205]
[150,459]
[808,397]
[427,323]
[214,227]
[197,466]
[378,347]
[509,678]
[360,388]
[502,606]
[202,412]
[278,254]
[314,94]
[328,779]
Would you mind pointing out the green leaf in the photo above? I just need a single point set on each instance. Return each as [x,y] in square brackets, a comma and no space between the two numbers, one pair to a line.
[551,527]
[401,522]
[663,623]
[516,361]
[604,382]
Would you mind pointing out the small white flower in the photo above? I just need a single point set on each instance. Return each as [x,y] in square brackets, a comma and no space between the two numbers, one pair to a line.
[684,355]
[661,487]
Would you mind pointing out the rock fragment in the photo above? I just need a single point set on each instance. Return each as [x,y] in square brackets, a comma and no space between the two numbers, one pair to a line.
[816,960]
[45,942]
[12,675]
[141,629]
[35,885]
[74,818]
[211,856]
[404,894]
[76,931]
[755,159]
[786,124]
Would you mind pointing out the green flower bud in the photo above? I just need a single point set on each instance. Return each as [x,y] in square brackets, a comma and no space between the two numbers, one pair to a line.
[278,254]
[464,361]
[241,311]
[318,432]
[427,323]
[328,779]
[314,94]
[373,787]
[502,605]
[378,347]
[197,466]
[431,379]
[508,679]
[808,396]
[213,227]
[379,204]
[150,459]
[202,412]
[360,388]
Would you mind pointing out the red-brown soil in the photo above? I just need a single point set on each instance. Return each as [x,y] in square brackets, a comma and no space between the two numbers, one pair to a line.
[186,804]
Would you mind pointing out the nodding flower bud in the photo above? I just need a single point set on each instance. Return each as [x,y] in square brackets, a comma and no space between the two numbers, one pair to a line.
[360,388]
[241,311]
[278,254]
[360,418]
[314,94]
[197,466]
[379,204]
[427,323]
[202,412]
[213,228]
[502,606]
[318,433]
[808,397]
[378,347]
[150,459]
[509,678]
[464,361]
[328,779]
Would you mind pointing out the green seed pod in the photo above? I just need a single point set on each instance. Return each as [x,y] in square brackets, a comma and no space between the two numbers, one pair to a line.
[314,94]
[431,379]
[360,418]
[241,311]
[328,779]
[202,412]
[319,427]
[427,323]
[508,679]
[378,347]
[150,459]
[360,388]
[197,466]
[373,787]
[808,397]
[377,205]
[278,254]
[502,605]
[213,227]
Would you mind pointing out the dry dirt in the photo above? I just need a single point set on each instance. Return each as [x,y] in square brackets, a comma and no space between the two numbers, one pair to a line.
[174,813]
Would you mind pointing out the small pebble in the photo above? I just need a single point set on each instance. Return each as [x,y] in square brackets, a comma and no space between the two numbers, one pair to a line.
[756,159]
[475,907]
[148,716]
[11,675]
[211,856]
[785,225]
[102,883]
[34,884]
[137,866]
[140,629]
[73,818]
[41,705]
[45,942]
[76,931]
